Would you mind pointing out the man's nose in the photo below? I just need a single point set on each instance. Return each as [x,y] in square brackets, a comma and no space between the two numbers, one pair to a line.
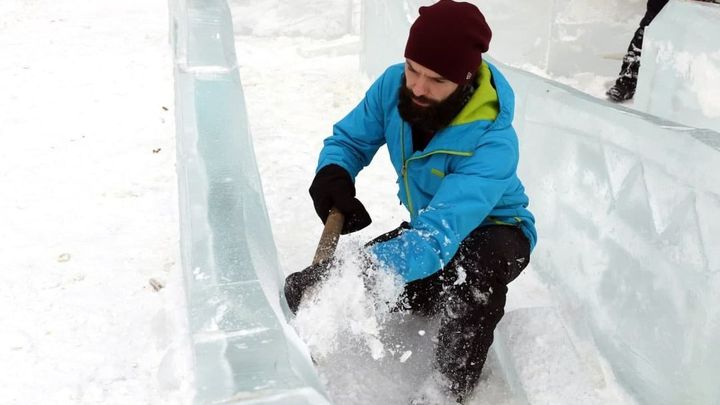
[419,87]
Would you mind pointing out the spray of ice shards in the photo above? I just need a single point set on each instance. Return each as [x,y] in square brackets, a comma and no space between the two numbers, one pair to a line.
[353,303]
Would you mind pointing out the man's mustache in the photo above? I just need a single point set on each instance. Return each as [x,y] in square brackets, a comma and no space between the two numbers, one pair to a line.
[420,99]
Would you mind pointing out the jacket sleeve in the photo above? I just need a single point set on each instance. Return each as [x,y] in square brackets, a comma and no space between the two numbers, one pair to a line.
[357,137]
[465,198]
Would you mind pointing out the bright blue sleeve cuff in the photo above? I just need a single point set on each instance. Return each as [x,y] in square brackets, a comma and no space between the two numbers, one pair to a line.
[407,255]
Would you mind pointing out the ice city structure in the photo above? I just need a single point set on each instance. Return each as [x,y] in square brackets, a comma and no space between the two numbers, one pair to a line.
[627,205]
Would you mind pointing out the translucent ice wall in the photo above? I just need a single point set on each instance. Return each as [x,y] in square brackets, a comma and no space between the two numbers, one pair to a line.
[627,208]
[627,212]
[680,70]
[561,37]
[586,35]
[244,352]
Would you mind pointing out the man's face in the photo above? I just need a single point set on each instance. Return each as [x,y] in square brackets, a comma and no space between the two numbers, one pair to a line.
[427,87]
[427,101]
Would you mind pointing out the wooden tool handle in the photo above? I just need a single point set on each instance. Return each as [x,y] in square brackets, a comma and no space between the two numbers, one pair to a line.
[330,235]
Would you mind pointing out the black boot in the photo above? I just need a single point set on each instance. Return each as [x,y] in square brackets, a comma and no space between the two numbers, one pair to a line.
[297,283]
[624,87]
[622,90]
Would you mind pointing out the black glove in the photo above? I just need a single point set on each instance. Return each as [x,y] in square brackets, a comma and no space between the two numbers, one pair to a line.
[333,187]
[297,283]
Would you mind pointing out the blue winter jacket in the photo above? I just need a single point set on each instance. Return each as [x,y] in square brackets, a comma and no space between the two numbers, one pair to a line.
[465,177]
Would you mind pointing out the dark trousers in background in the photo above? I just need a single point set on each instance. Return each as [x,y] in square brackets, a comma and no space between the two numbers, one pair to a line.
[469,296]
[627,80]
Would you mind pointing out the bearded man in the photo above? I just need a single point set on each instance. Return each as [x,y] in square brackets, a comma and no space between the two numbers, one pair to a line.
[446,117]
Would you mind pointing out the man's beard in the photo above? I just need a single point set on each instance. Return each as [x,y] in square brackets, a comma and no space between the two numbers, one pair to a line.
[437,114]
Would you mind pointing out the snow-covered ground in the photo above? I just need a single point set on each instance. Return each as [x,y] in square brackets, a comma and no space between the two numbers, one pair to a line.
[89,203]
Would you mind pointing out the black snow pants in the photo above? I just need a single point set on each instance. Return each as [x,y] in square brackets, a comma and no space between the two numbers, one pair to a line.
[627,79]
[469,296]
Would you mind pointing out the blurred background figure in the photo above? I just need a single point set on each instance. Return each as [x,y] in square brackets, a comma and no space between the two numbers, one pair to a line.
[624,87]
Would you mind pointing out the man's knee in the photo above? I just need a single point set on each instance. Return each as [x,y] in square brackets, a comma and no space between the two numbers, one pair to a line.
[494,252]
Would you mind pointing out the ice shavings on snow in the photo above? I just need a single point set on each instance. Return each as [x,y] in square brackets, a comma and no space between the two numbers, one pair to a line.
[461,276]
[343,307]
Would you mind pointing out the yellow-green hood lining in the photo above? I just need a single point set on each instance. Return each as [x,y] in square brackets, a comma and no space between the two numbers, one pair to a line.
[484,104]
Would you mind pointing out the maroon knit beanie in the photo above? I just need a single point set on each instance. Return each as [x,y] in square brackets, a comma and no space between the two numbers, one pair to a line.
[449,38]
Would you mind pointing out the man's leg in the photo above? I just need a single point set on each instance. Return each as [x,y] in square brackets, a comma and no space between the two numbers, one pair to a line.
[422,297]
[473,301]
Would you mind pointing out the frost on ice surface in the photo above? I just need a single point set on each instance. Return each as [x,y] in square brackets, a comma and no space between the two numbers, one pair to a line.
[680,70]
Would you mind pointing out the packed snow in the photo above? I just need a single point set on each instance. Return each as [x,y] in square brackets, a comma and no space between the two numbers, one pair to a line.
[89,207]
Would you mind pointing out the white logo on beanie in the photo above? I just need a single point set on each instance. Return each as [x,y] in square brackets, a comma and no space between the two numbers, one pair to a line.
[468,76]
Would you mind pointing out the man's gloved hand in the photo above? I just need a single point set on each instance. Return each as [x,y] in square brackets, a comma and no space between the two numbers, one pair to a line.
[297,283]
[333,187]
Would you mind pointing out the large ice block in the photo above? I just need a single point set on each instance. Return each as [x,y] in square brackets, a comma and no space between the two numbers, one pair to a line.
[626,205]
[521,32]
[561,37]
[680,70]
[268,18]
[382,20]
[589,35]
[243,349]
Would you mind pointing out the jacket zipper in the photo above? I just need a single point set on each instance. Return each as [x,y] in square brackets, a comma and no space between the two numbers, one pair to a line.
[406,163]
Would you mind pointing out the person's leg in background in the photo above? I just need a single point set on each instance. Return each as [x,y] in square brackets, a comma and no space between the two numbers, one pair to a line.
[624,87]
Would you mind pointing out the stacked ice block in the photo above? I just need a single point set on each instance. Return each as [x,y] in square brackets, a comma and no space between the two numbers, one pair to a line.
[627,212]
[560,37]
[244,351]
[680,68]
